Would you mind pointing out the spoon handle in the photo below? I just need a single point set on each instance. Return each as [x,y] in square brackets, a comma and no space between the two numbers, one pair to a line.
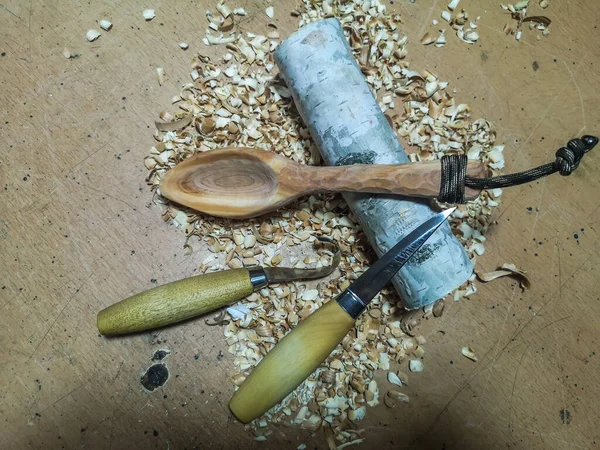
[412,180]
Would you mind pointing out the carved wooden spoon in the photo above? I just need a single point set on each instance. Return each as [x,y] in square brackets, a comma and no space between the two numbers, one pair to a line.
[244,182]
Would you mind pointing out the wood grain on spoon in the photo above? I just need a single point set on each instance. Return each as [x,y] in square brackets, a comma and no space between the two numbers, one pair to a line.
[243,182]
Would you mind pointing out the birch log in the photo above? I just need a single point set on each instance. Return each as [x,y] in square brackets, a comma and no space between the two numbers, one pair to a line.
[348,127]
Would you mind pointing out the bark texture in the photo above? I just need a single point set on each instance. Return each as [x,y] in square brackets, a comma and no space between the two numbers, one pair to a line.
[348,126]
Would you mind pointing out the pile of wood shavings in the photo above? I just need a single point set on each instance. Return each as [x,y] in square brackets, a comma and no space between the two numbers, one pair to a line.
[465,28]
[239,101]
[519,12]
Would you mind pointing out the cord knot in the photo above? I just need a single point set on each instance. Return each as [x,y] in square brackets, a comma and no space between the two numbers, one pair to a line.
[569,157]
[455,178]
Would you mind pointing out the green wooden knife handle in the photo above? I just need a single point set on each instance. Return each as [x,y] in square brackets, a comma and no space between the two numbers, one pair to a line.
[175,302]
[291,361]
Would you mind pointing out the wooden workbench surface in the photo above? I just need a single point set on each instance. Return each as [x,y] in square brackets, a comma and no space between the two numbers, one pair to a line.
[79,231]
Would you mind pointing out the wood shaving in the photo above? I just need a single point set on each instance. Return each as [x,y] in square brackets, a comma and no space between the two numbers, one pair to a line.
[453,4]
[219,319]
[397,395]
[148,14]
[174,125]
[427,39]
[223,9]
[518,12]
[160,75]
[92,35]
[460,23]
[348,444]
[415,365]
[469,36]
[469,353]
[403,377]
[520,5]
[394,379]
[438,308]
[237,100]
[504,271]
[67,54]
[105,25]
[441,40]
[238,312]
[543,20]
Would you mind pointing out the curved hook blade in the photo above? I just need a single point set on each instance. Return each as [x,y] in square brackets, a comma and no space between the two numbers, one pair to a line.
[281,274]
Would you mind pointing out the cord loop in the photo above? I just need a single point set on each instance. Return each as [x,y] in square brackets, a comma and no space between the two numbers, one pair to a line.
[454,176]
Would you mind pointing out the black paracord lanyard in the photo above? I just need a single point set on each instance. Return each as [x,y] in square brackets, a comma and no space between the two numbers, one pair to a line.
[455,178]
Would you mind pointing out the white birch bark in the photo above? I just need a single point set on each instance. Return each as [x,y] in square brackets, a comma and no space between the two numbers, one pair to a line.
[348,127]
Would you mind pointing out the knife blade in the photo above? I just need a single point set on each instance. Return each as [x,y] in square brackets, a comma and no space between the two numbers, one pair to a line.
[300,352]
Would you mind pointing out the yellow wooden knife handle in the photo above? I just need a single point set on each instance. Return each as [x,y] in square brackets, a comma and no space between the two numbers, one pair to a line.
[291,361]
[175,302]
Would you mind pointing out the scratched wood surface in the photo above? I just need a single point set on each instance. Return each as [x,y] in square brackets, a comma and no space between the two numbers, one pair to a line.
[78,231]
